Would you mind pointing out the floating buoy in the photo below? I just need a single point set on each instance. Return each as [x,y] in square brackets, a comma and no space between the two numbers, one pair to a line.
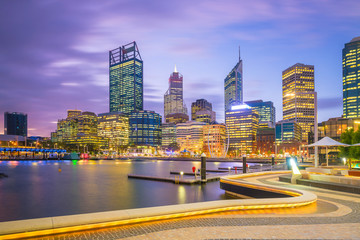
[59,169]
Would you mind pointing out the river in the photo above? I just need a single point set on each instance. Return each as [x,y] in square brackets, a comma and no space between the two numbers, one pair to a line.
[36,189]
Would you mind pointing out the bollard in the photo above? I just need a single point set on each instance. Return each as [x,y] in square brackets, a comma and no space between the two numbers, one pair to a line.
[244,164]
[203,168]
[273,161]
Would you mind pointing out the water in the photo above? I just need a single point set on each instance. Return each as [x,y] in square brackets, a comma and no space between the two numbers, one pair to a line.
[37,189]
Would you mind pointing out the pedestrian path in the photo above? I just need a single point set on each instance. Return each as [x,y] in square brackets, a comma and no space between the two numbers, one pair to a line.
[336,215]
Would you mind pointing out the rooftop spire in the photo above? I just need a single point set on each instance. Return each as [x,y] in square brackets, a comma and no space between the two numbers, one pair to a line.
[175,71]
[239,54]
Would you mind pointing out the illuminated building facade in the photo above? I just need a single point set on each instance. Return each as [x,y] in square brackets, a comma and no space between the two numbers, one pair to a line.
[233,86]
[15,124]
[334,127]
[126,79]
[266,112]
[168,133]
[189,136]
[198,105]
[265,141]
[242,122]
[114,127]
[288,136]
[299,96]
[145,128]
[205,116]
[177,118]
[173,98]
[78,131]
[351,78]
[215,140]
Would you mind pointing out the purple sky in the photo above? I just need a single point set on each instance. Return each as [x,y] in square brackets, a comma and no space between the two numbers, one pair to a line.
[54,54]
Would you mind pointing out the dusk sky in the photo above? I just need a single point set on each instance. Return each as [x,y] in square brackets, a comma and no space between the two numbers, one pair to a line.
[54,54]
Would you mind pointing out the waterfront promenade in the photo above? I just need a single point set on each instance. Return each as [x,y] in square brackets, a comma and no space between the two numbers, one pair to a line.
[334,216]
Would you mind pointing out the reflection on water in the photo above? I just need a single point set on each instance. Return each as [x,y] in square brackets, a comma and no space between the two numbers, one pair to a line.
[51,188]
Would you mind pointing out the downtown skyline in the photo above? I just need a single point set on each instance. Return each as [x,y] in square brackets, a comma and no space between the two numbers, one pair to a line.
[54,56]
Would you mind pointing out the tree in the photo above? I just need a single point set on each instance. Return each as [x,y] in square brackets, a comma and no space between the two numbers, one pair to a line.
[350,137]
[174,146]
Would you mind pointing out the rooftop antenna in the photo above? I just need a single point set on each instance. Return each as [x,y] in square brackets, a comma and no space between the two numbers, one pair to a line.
[239,54]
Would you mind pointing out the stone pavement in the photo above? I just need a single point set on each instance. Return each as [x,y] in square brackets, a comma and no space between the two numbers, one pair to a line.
[336,215]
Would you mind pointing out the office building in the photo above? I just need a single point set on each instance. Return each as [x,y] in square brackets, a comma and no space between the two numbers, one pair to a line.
[198,105]
[177,118]
[126,79]
[265,141]
[145,128]
[189,136]
[215,140]
[79,133]
[114,127]
[242,122]
[288,137]
[205,116]
[233,86]
[299,96]
[266,112]
[15,124]
[168,133]
[351,78]
[334,127]
[173,98]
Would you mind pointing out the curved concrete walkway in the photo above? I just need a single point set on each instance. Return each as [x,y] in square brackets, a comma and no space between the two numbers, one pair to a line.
[335,216]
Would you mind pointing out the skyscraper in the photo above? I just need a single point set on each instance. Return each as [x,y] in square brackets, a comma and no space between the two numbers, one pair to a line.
[126,79]
[299,97]
[351,78]
[233,86]
[173,98]
[201,111]
[15,124]
[266,112]
[242,123]
[145,128]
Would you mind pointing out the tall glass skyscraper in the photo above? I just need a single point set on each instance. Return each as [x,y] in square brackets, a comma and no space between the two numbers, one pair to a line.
[126,79]
[351,78]
[173,98]
[298,88]
[266,112]
[233,86]
[15,124]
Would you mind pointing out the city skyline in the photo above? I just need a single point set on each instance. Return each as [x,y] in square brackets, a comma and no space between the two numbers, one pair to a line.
[53,60]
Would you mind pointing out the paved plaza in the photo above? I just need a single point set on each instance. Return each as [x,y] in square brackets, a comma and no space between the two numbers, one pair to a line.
[336,215]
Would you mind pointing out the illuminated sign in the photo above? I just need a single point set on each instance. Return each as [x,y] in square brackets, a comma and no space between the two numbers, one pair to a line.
[242,106]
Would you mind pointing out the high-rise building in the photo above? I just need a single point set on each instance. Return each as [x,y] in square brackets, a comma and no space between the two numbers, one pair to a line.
[145,128]
[15,123]
[351,78]
[173,98]
[177,118]
[126,79]
[79,132]
[233,86]
[198,105]
[298,90]
[266,112]
[205,116]
[168,133]
[114,127]
[189,136]
[287,136]
[201,111]
[242,122]
[215,140]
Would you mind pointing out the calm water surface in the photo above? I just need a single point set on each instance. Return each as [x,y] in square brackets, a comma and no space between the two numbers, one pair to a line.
[37,189]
